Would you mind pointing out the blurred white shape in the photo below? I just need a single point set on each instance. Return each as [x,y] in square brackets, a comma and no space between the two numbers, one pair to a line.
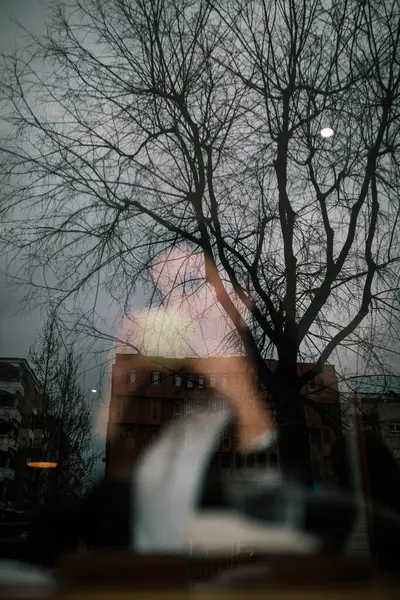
[326,132]
[223,532]
[94,391]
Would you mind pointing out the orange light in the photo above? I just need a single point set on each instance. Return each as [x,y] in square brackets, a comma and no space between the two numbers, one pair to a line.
[42,465]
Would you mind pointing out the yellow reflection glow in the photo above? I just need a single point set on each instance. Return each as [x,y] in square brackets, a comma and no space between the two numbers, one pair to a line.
[42,465]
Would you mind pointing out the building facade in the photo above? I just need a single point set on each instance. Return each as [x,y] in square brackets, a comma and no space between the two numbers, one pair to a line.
[21,430]
[147,392]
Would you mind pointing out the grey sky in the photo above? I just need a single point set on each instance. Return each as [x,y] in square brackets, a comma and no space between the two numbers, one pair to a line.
[19,326]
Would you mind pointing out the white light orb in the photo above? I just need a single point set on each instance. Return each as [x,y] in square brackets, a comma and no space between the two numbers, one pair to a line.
[326,132]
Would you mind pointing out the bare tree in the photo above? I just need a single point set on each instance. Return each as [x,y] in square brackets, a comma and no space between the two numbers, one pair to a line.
[137,128]
[66,419]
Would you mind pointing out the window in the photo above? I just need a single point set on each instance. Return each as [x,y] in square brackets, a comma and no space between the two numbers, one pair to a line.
[129,432]
[326,433]
[201,381]
[317,469]
[327,467]
[150,433]
[213,381]
[226,441]
[262,461]
[273,461]
[155,377]
[213,404]
[178,380]
[224,381]
[155,409]
[190,381]
[178,412]
[132,376]
[251,460]
[119,408]
[225,460]
[201,404]
[394,427]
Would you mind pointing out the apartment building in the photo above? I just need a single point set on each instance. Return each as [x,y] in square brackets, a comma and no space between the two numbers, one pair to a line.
[20,428]
[149,391]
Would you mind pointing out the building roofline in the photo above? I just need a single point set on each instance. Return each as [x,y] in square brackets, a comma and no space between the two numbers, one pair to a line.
[26,365]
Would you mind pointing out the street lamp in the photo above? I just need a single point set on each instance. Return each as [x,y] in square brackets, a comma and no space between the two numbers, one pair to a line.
[326,132]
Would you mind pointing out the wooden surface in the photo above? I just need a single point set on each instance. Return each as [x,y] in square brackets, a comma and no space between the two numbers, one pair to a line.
[90,576]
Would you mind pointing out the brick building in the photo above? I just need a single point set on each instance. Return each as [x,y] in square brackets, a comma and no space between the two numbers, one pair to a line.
[149,391]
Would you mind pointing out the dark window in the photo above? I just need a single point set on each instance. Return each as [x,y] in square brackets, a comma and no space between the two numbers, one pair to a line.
[155,377]
[317,469]
[327,436]
[226,441]
[273,461]
[132,376]
[155,409]
[225,460]
[201,381]
[178,380]
[178,412]
[190,381]
[262,461]
[251,460]
[129,432]
[394,427]
[7,401]
[201,404]
[327,467]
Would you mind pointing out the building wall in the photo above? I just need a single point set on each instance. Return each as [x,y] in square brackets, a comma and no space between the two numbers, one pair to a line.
[140,407]
[19,387]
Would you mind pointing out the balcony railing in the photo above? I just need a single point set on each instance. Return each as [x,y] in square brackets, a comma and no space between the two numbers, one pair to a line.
[10,414]
[12,387]
[8,442]
[6,473]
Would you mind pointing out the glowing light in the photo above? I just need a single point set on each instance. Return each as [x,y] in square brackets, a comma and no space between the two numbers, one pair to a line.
[326,132]
[94,391]
[42,465]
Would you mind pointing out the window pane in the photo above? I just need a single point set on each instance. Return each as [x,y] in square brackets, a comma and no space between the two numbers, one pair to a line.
[155,409]
[178,412]
[201,381]
[132,376]
[156,377]
[178,380]
[251,460]
[327,436]
[189,381]
[273,461]
[213,381]
[224,380]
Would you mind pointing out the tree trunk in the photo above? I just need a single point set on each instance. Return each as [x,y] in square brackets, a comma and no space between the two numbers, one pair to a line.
[294,443]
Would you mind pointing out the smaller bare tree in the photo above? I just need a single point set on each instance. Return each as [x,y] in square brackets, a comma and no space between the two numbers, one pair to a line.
[67,416]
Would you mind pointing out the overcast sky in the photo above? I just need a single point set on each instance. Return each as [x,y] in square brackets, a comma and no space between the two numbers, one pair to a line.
[19,327]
